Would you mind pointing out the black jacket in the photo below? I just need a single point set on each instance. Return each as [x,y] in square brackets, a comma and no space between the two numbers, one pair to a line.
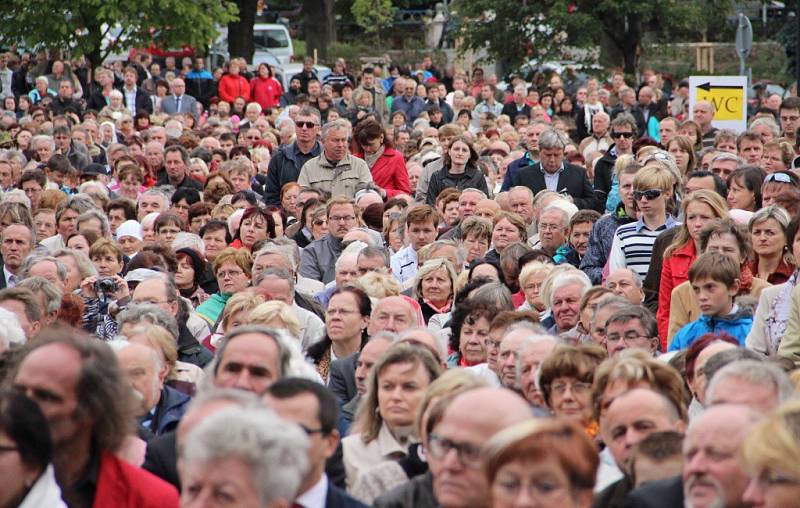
[142,100]
[337,498]
[189,350]
[510,109]
[342,378]
[658,494]
[603,177]
[572,181]
[418,492]
[161,459]
[284,167]
[443,179]
[163,179]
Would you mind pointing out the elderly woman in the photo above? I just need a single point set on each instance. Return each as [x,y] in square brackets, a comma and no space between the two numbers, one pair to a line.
[476,235]
[459,171]
[470,325]
[531,278]
[548,463]
[248,456]
[256,225]
[434,287]
[346,321]
[726,237]
[232,269]
[289,194]
[386,164]
[777,156]
[773,260]
[508,228]
[771,455]
[776,324]
[384,425]
[182,376]
[565,379]
[276,314]
[566,291]
[699,209]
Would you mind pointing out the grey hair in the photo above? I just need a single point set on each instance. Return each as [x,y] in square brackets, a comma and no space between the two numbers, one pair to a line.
[14,156]
[94,214]
[30,261]
[754,372]
[43,137]
[727,156]
[769,122]
[552,138]
[155,191]
[82,261]
[16,196]
[553,207]
[189,240]
[274,450]
[52,295]
[284,353]
[345,257]
[374,252]
[495,294]
[441,347]
[118,345]
[461,252]
[473,189]
[280,250]
[775,212]
[339,123]
[275,272]
[287,247]
[637,280]
[522,188]
[150,313]
[615,301]
[568,278]
[10,330]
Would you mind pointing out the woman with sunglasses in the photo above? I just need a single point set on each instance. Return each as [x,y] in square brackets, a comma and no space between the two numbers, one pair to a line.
[782,188]
[769,231]
[700,208]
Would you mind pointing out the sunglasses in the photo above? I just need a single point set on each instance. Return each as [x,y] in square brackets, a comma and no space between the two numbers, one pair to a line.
[778,177]
[650,194]
[307,125]
[626,135]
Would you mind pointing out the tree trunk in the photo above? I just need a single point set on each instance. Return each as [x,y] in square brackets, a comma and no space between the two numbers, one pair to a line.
[240,32]
[320,27]
[630,46]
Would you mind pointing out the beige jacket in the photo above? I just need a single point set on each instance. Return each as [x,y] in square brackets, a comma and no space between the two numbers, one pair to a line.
[359,457]
[346,178]
[684,309]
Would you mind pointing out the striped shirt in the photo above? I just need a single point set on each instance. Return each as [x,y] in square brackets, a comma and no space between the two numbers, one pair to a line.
[632,246]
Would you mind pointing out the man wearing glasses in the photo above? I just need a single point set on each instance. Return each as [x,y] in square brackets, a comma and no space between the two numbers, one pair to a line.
[623,134]
[790,117]
[285,165]
[318,259]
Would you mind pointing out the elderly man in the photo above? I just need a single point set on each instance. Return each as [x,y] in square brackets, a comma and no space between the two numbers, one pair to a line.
[531,357]
[517,106]
[758,385]
[179,102]
[250,359]
[278,284]
[87,427]
[632,416]
[625,282]
[345,271]
[372,259]
[712,475]
[312,406]
[335,170]
[598,140]
[151,201]
[409,102]
[285,255]
[16,243]
[287,160]
[176,169]
[703,114]
[319,257]
[520,199]
[565,297]
[553,228]
[553,174]
[159,407]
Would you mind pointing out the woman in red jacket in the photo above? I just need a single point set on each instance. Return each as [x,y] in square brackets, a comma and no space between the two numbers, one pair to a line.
[265,89]
[233,85]
[386,164]
[699,209]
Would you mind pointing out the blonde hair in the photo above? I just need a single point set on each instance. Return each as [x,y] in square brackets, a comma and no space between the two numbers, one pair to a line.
[533,268]
[772,444]
[705,196]
[431,266]
[265,312]
[240,257]
[654,177]
[547,284]
[240,302]
[161,340]
[378,285]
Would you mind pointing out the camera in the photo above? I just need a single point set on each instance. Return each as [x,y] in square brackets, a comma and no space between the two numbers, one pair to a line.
[105,285]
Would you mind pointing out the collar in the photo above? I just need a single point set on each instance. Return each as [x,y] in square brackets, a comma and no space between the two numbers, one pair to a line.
[545,173]
[316,496]
[324,162]
[86,486]
[668,224]
[314,151]
[130,90]
[388,444]
[7,274]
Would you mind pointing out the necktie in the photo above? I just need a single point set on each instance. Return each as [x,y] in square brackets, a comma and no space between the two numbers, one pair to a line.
[178,104]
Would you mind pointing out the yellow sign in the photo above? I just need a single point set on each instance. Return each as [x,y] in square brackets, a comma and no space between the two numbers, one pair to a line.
[728,100]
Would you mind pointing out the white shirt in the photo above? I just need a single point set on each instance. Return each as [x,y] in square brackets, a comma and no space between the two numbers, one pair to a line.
[404,264]
[315,496]
[130,99]
[8,275]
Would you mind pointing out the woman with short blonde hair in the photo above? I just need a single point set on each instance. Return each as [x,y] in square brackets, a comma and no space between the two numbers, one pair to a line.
[276,314]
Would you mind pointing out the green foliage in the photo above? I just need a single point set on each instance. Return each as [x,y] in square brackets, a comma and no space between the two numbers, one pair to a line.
[373,15]
[98,28]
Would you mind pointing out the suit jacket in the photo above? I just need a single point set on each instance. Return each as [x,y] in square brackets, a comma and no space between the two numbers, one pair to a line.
[510,109]
[142,100]
[658,494]
[188,105]
[2,276]
[337,498]
[161,458]
[572,180]
[342,380]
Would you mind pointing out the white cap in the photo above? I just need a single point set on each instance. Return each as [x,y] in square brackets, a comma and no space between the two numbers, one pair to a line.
[130,228]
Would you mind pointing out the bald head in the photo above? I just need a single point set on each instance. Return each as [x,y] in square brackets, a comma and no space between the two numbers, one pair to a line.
[487,208]
[423,338]
[392,314]
[500,408]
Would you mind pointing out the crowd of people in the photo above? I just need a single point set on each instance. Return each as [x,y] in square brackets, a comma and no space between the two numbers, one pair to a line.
[394,286]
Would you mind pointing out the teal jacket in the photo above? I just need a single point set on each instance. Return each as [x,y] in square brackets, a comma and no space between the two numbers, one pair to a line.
[737,325]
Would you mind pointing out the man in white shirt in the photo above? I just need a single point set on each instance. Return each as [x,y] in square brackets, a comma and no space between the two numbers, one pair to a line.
[16,243]
[313,407]
[422,224]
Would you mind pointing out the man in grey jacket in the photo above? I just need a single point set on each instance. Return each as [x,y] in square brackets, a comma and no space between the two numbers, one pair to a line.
[318,259]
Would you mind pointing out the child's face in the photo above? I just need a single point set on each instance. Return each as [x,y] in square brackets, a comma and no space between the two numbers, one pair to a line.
[713,297]
[652,207]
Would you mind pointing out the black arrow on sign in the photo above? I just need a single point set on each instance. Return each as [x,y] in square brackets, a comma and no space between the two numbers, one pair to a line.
[708,86]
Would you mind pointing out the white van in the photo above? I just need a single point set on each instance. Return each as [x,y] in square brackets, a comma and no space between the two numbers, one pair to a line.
[272,42]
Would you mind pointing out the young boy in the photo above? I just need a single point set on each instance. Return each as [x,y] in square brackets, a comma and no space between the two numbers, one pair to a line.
[633,243]
[715,282]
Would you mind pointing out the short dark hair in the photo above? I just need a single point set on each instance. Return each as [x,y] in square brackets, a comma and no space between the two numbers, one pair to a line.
[660,446]
[191,196]
[126,205]
[181,150]
[719,184]
[23,422]
[791,103]
[33,175]
[216,225]
[328,414]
